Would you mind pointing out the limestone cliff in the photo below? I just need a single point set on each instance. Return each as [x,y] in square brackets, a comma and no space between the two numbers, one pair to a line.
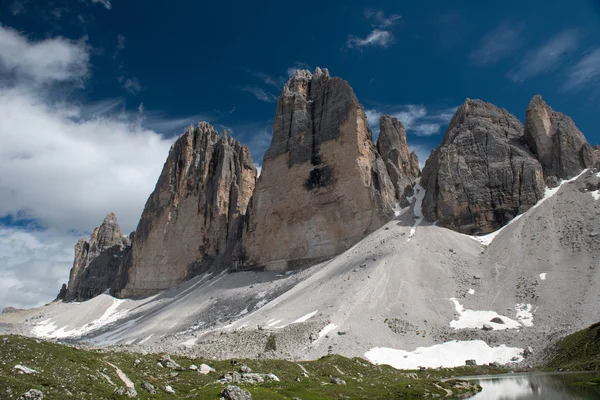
[558,144]
[402,166]
[482,174]
[193,220]
[96,261]
[323,185]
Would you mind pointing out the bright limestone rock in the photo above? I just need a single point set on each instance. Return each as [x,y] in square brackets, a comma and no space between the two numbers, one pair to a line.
[193,220]
[323,185]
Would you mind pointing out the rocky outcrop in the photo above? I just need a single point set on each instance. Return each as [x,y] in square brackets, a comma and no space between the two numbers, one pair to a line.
[193,220]
[97,261]
[483,174]
[323,185]
[555,140]
[402,166]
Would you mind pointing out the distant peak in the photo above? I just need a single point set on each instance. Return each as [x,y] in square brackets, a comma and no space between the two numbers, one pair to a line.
[111,218]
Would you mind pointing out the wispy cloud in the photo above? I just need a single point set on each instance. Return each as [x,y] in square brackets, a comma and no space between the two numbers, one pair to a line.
[380,20]
[381,36]
[416,118]
[260,94]
[132,85]
[376,38]
[585,72]
[497,44]
[275,81]
[120,45]
[18,7]
[546,57]
[105,3]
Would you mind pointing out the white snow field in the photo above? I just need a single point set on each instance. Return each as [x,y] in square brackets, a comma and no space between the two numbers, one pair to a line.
[410,294]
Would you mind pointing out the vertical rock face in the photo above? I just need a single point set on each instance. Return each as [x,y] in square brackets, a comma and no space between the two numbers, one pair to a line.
[402,167]
[96,262]
[482,175]
[323,185]
[193,220]
[558,144]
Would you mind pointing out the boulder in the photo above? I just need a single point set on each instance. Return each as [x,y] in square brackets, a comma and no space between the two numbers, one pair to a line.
[149,387]
[97,261]
[470,363]
[205,369]
[555,140]
[193,221]
[482,175]
[235,393]
[402,166]
[167,362]
[32,394]
[323,186]
[338,381]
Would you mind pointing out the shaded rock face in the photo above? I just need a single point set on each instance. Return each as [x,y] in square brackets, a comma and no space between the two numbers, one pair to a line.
[560,147]
[402,167]
[323,185]
[97,261]
[193,220]
[483,174]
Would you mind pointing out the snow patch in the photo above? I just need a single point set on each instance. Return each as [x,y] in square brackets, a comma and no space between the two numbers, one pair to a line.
[524,314]
[146,339]
[189,342]
[328,328]
[543,276]
[306,317]
[472,319]
[446,355]
[48,328]
[418,208]
[261,303]
[471,291]
[596,194]
[244,311]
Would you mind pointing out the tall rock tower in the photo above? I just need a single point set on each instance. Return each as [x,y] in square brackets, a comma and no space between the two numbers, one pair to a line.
[193,221]
[323,185]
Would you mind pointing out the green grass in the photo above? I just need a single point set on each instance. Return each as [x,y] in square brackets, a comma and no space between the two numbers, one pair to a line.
[65,372]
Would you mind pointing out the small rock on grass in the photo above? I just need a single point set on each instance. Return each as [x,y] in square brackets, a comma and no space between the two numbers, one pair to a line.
[32,394]
[338,381]
[235,393]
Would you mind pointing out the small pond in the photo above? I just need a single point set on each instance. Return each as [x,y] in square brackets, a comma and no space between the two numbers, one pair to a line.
[536,385]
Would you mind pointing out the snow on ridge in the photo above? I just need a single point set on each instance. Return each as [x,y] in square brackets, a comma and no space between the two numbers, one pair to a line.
[474,319]
[486,240]
[446,355]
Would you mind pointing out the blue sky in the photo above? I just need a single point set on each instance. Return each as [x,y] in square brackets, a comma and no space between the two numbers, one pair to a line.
[93,92]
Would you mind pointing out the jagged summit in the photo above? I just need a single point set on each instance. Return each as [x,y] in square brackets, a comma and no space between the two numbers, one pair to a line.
[561,148]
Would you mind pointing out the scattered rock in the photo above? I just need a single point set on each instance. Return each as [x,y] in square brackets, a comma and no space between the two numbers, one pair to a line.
[527,351]
[167,362]
[193,368]
[235,393]
[131,392]
[149,387]
[338,381]
[32,394]
[24,370]
[245,369]
[272,377]
[487,327]
[205,369]
[471,363]
[169,389]
[497,320]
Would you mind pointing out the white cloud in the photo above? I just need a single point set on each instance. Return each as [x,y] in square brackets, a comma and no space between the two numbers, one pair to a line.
[417,120]
[376,38]
[18,7]
[498,44]
[586,71]
[275,81]
[46,61]
[380,20]
[132,85]
[65,165]
[105,3]
[546,57]
[260,94]
[120,45]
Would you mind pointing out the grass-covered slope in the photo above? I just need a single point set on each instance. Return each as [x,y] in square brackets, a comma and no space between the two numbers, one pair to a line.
[65,372]
[577,352]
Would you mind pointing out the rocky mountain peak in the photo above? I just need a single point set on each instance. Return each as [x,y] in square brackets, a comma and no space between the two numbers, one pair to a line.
[402,166]
[482,175]
[558,144]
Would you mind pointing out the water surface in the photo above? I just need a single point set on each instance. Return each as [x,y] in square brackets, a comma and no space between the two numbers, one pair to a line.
[536,385]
